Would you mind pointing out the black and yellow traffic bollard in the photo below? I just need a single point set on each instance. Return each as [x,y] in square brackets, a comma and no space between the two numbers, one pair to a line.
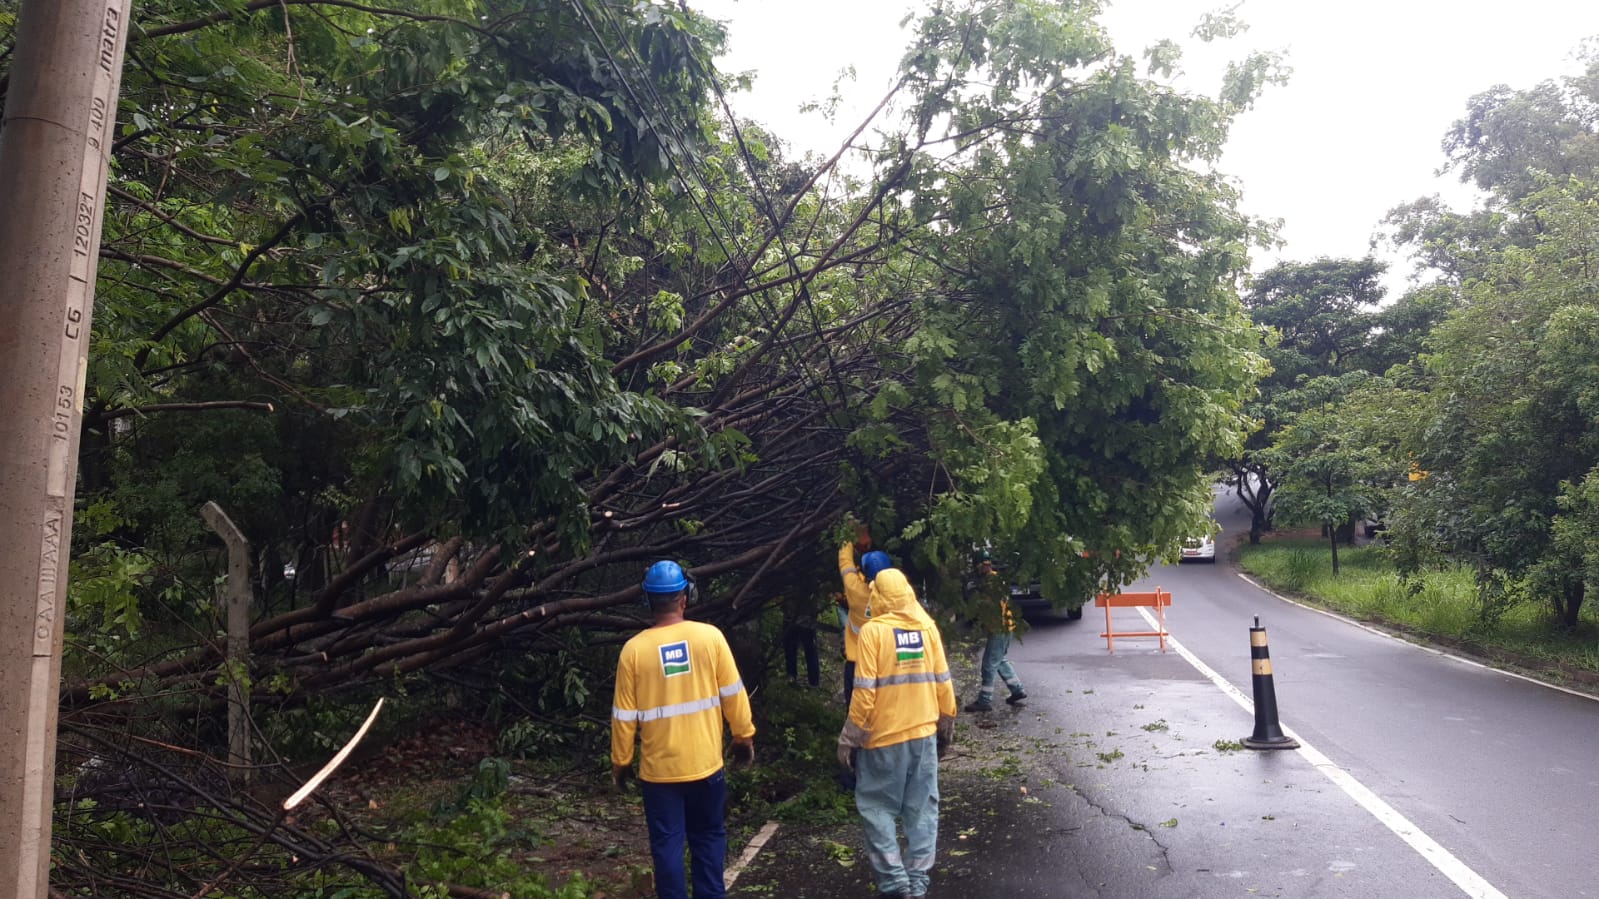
[1268,733]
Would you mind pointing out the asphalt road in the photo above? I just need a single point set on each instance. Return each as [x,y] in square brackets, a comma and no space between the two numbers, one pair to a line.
[1420,776]
[1501,772]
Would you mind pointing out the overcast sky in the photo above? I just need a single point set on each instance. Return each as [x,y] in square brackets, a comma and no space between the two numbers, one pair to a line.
[1356,131]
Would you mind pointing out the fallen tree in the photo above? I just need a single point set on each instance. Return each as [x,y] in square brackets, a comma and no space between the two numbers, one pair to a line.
[466,311]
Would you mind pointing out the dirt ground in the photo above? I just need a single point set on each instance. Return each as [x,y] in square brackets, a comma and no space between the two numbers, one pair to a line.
[573,822]
[570,823]
[990,791]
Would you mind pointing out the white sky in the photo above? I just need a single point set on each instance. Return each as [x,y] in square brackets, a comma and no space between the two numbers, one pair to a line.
[1356,131]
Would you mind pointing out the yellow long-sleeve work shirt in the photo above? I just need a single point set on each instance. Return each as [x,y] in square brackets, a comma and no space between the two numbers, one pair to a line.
[674,685]
[902,680]
[858,594]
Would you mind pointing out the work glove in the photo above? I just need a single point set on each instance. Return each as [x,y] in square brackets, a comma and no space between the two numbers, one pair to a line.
[945,734]
[620,775]
[743,750]
[851,738]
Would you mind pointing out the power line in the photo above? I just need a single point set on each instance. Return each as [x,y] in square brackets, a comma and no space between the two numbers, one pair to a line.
[678,158]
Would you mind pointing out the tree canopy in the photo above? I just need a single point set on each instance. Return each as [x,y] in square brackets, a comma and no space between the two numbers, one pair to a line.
[1492,413]
[467,310]
[500,281]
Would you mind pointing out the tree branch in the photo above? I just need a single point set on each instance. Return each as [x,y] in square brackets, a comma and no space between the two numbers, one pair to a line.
[124,412]
[228,287]
[217,18]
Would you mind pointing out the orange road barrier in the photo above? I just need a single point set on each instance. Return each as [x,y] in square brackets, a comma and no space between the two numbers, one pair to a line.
[1158,600]
[1268,733]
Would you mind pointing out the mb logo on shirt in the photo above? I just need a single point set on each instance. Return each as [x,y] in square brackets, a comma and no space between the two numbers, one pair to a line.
[908,646]
[674,658]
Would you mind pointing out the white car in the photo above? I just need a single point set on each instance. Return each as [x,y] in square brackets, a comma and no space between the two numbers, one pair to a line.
[1201,549]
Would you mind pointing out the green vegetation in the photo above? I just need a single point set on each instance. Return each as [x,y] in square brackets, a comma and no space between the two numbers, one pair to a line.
[1460,416]
[1441,605]
[466,310]
[1009,767]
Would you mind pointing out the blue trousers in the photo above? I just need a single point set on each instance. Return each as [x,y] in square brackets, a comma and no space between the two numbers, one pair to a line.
[899,781]
[995,662]
[796,637]
[691,810]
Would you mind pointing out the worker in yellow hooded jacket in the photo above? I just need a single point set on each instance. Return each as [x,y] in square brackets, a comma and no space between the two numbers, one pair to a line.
[901,719]
[856,596]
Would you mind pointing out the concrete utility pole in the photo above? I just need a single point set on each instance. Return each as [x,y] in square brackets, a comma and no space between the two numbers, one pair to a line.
[55,145]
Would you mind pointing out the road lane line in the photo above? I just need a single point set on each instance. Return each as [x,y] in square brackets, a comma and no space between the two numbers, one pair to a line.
[750,851]
[1409,642]
[1472,883]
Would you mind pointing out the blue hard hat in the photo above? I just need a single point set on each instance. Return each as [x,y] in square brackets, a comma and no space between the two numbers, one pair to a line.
[665,577]
[874,562]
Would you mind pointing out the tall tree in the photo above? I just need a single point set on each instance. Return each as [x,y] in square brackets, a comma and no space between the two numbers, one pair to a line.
[1085,308]
[1509,144]
[1322,312]
[1330,472]
[1508,137]
[1323,316]
[1511,413]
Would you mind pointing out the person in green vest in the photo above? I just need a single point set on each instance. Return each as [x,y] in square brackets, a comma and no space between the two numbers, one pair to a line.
[995,619]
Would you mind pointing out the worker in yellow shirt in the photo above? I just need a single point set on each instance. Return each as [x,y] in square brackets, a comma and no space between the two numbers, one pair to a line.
[675,683]
[901,718]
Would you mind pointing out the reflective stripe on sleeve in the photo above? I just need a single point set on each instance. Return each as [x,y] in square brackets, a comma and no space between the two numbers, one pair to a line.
[894,680]
[733,689]
[667,711]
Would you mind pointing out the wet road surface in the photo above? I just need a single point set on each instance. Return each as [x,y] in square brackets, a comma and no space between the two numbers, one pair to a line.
[1121,777]
[1126,795]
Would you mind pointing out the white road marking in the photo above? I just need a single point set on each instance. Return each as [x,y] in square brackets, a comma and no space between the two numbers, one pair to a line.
[1453,868]
[750,851]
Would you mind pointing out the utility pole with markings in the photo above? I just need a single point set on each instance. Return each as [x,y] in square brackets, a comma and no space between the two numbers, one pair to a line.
[55,146]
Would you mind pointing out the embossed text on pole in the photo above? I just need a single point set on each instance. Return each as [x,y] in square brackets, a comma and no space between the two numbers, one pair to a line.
[55,143]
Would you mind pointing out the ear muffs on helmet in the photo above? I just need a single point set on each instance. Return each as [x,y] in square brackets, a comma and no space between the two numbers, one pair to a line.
[667,578]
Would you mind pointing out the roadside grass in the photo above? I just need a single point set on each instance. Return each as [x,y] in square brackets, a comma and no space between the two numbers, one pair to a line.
[1444,609]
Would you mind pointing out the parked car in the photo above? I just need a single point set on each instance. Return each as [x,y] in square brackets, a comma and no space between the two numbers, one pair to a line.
[1032,604]
[1199,549]
[1028,598]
